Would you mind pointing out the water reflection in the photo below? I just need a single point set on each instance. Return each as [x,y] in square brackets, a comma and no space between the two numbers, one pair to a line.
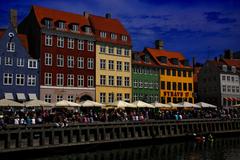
[220,149]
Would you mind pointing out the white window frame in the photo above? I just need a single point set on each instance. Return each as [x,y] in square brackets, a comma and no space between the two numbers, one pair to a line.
[60,79]
[102,97]
[75,28]
[111,65]
[11,47]
[103,34]
[70,98]
[119,96]
[126,66]
[60,60]
[90,64]
[8,77]
[102,79]
[126,52]
[80,80]
[90,81]
[20,62]
[8,61]
[90,46]
[61,25]
[81,45]
[70,61]
[31,80]
[80,62]
[48,40]
[60,42]
[119,80]
[70,80]
[113,36]
[111,80]
[110,97]
[59,97]
[102,63]
[111,50]
[119,51]
[48,59]
[48,98]
[124,38]
[47,79]
[70,43]
[127,81]
[32,63]
[102,49]
[20,80]
[119,65]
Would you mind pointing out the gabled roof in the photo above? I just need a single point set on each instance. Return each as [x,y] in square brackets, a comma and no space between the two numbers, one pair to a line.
[56,15]
[155,53]
[232,62]
[140,60]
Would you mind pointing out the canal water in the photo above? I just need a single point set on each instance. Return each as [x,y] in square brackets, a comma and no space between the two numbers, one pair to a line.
[221,149]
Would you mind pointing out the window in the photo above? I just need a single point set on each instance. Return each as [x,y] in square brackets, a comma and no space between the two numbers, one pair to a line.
[48,59]
[60,42]
[102,80]
[60,79]
[48,98]
[110,97]
[127,81]
[20,78]
[223,78]
[127,97]
[103,34]
[10,47]
[119,81]
[232,79]
[174,72]
[20,62]
[113,36]
[90,63]
[119,65]
[185,86]
[90,46]
[111,65]
[126,52]
[80,45]
[124,38]
[233,89]
[90,81]
[237,89]
[8,61]
[102,49]
[75,28]
[179,73]
[80,80]
[59,98]
[119,51]
[70,43]
[126,66]
[87,29]
[47,23]
[189,73]
[111,50]
[168,72]
[224,88]
[48,40]
[70,98]
[228,78]
[229,88]
[179,86]
[111,80]
[184,73]
[135,97]
[135,84]
[102,97]
[174,86]
[70,61]
[162,71]
[70,80]
[80,63]
[168,85]
[119,96]
[140,84]
[32,63]
[7,79]
[60,60]
[61,25]
[102,63]
[31,80]
[190,86]
[48,79]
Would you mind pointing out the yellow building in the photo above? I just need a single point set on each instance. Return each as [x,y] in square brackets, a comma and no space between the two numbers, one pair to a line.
[113,60]
[176,75]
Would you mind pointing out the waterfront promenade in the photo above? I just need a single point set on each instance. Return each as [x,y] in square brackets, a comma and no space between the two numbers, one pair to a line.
[42,136]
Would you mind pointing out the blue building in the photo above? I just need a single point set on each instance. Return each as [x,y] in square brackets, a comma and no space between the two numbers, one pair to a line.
[19,72]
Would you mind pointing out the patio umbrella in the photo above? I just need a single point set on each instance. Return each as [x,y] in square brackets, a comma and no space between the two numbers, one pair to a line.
[89,103]
[38,103]
[10,103]
[65,103]
[141,104]
[206,105]
[122,104]
[189,105]
[160,105]
[175,104]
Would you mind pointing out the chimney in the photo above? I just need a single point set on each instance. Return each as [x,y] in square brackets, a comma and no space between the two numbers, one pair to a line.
[108,15]
[13,18]
[193,61]
[159,44]
[86,14]
[228,54]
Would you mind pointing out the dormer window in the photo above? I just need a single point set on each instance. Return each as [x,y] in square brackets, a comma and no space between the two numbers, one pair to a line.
[87,29]
[124,38]
[186,62]
[103,34]
[61,25]
[146,59]
[175,61]
[113,36]
[74,28]
[10,47]
[48,23]
[224,68]
[233,69]
[162,59]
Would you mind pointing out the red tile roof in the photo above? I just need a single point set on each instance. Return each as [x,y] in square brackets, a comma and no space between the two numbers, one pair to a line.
[140,61]
[155,53]
[55,15]
[232,62]
[109,25]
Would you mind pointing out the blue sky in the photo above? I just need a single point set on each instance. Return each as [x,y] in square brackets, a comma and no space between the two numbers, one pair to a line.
[200,28]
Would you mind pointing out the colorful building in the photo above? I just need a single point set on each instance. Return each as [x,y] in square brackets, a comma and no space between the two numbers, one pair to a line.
[65,45]
[145,78]
[176,75]
[19,71]
[113,59]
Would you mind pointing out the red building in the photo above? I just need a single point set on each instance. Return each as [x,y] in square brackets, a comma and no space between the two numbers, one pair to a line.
[65,46]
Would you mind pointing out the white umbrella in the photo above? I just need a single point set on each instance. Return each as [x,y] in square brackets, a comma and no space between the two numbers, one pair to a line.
[236,105]
[141,104]
[187,104]
[206,105]
[37,103]
[122,104]
[10,103]
[89,103]
[161,105]
[174,104]
[65,103]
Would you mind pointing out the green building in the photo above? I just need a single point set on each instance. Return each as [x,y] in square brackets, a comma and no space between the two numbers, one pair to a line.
[145,78]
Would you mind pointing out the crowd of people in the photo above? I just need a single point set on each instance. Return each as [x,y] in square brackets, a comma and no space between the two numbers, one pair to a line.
[63,117]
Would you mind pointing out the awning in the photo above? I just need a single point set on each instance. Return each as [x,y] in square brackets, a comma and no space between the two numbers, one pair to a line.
[21,96]
[32,96]
[8,96]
